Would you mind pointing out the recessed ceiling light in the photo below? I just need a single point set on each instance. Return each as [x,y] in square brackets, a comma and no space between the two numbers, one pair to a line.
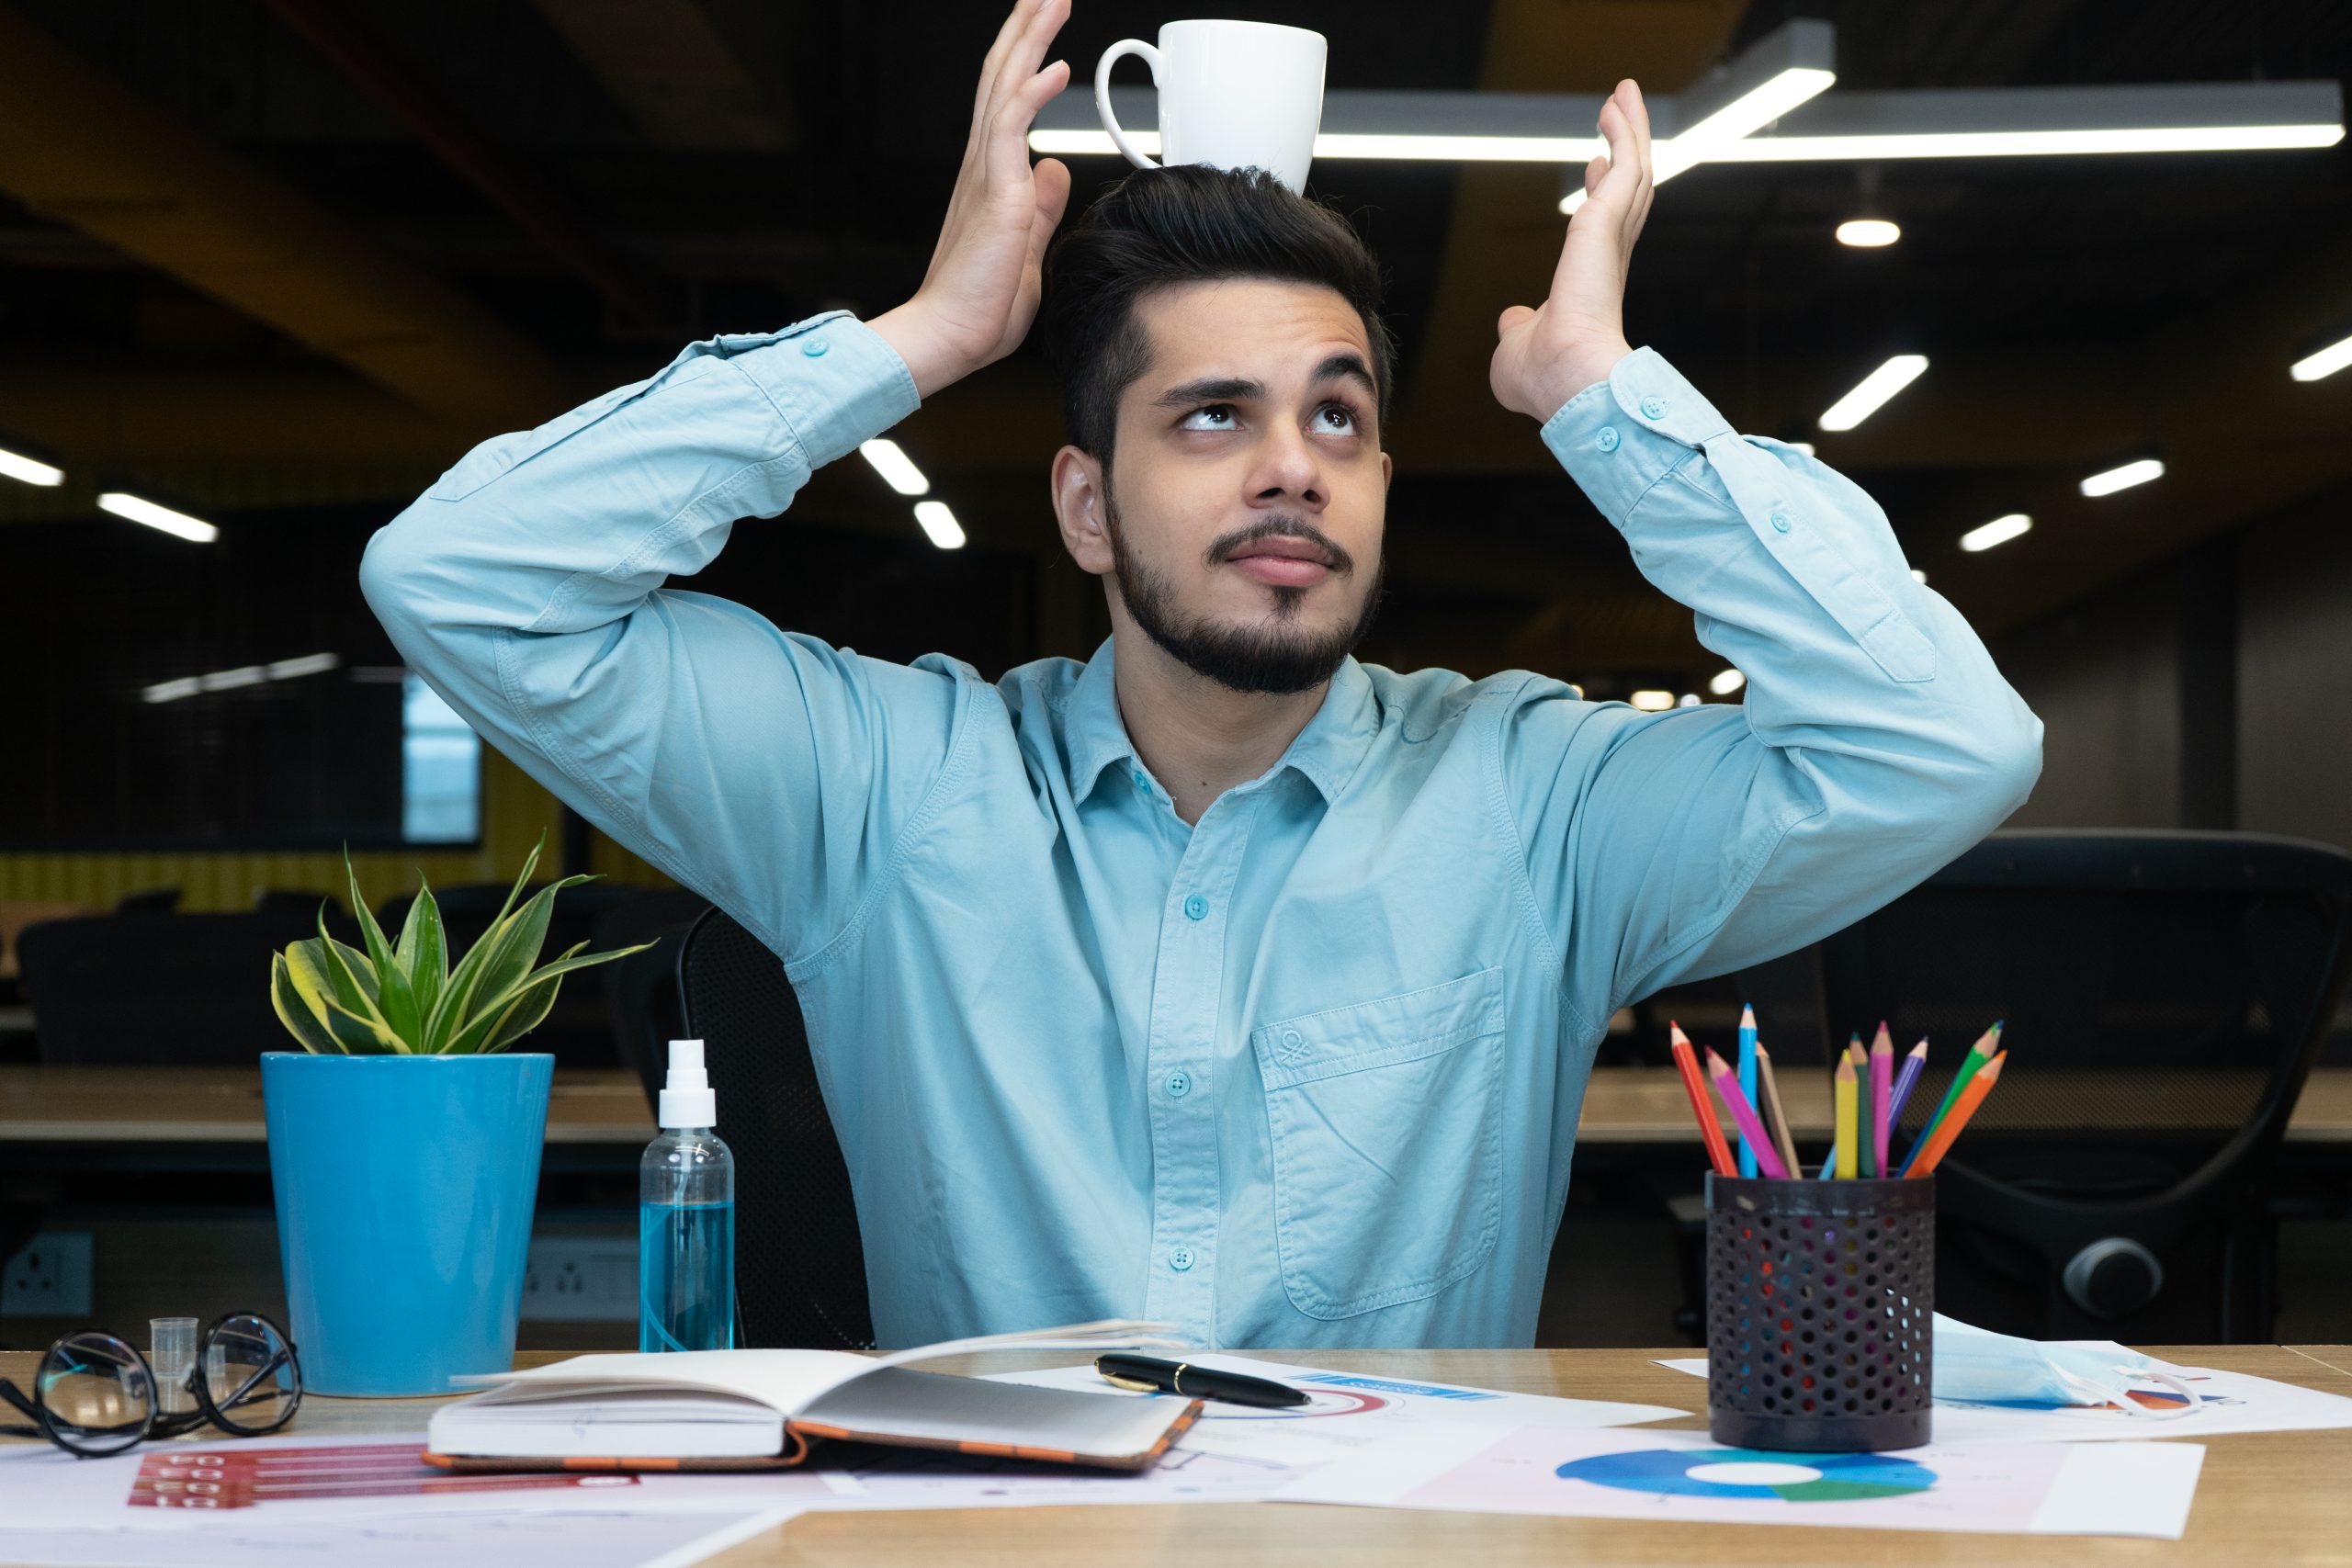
[1917,576]
[1869,233]
[1650,701]
[940,524]
[1999,531]
[1876,387]
[1727,681]
[2326,362]
[2125,478]
[26,470]
[141,510]
[898,471]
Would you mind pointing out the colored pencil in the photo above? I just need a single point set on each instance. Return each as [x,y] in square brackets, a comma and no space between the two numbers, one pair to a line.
[1861,1060]
[1882,1095]
[1718,1149]
[1783,1140]
[1969,1065]
[1914,1060]
[1846,1141]
[1742,1114]
[1747,1162]
[1971,1097]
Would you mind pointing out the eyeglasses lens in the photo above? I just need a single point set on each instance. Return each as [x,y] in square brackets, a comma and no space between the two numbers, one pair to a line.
[97,1393]
[249,1371]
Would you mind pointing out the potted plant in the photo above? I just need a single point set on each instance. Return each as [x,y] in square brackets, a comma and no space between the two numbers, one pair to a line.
[405,1140]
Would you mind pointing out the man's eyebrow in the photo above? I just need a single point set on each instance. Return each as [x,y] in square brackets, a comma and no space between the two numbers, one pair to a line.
[1210,390]
[1349,365]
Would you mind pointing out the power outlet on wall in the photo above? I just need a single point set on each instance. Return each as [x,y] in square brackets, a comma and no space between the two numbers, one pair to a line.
[51,1277]
[581,1278]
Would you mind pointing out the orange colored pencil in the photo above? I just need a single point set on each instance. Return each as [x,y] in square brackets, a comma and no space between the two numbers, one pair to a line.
[1686,1061]
[1970,1099]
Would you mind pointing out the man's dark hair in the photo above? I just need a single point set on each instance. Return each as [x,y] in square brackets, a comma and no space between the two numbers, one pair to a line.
[1186,223]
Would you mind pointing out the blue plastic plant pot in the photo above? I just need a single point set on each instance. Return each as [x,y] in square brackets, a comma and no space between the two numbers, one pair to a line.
[404,1188]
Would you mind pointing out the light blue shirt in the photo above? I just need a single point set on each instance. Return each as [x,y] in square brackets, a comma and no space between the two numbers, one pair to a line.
[1307,1072]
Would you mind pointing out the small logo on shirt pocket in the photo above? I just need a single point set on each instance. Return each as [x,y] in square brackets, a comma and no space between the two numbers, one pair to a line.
[1387,1143]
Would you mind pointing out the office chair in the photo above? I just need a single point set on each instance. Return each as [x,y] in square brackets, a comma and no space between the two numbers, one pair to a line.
[641,990]
[2165,995]
[578,1031]
[800,1261]
[161,990]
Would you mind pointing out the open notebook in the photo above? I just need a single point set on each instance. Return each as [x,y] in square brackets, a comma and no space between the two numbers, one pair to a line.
[758,1409]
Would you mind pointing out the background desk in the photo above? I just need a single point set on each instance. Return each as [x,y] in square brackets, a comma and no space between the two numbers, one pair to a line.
[2267,1499]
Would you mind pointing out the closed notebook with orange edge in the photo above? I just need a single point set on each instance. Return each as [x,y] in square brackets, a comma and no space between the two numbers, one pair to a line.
[759,1409]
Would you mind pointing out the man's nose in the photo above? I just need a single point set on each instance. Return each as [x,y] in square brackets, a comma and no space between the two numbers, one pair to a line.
[1289,470]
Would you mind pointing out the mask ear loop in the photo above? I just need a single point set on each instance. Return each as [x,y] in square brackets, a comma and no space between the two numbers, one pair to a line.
[2190,1398]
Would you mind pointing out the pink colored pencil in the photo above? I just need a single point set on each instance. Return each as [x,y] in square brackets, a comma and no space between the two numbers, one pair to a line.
[1882,1094]
[1743,1115]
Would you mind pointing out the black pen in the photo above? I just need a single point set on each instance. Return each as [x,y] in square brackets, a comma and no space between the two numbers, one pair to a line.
[1149,1374]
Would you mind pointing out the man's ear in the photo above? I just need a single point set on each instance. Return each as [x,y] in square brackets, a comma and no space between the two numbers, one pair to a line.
[1078,506]
[1388,472]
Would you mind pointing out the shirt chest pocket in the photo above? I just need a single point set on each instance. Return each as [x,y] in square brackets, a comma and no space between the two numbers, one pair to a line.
[1386,1144]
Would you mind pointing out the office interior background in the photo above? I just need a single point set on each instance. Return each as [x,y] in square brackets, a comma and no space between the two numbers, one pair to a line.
[271,265]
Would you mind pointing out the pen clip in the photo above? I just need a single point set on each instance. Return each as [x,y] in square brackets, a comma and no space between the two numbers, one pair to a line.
[1134,1384]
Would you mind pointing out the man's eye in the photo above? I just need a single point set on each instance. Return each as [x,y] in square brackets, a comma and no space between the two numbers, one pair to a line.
[1339,417]
[1212,416]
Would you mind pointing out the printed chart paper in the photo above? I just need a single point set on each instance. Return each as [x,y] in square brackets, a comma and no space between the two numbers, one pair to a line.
[253,1540]
[2137,1489]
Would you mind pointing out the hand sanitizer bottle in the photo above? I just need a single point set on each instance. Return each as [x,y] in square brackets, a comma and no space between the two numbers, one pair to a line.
[686,1239]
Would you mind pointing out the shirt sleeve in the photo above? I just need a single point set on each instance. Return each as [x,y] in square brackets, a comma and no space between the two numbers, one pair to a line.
[765,770]
[1876,742]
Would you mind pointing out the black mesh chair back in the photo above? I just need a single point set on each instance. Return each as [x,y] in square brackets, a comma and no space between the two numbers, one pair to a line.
[161,990]
[2165,994]
[800,1261]
[578,1031]
[641,990]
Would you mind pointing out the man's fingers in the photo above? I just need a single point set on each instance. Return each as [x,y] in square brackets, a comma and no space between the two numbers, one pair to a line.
[1053,195]
[1013,21]
[1510,318]
[1593,173]
[1008,134]
[1042,19]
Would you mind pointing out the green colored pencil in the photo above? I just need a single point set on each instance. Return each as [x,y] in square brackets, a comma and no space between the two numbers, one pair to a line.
[1978,1055]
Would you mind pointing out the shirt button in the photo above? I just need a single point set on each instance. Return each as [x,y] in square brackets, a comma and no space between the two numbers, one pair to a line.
[1780,522]
[1140,783]
[1654,406]
[1608,438]
[1180,1085]
[813,346]
[1196,907]
[1180,1259]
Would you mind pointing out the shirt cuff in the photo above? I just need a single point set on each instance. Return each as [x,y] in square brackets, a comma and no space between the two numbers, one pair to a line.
[831,378]
[1619,437]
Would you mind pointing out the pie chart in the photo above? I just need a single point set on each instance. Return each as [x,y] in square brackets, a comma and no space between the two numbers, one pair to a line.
[1753,1474]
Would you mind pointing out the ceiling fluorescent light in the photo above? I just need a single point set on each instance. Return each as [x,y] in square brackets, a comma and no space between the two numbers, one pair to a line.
[1650,701]
[139,510]
[1876,387]
[25,471]
[1999,531]
[2125,478]
[2326,362]
[1868,233]
[1795,148]
[1400,146]
[940,524]
[308,664]
[898,471]
[1725,681]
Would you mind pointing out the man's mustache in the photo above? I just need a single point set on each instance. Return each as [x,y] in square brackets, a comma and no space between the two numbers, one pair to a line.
[1224,546]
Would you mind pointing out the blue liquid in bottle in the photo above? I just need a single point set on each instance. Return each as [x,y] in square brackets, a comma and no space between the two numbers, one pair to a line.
[685,1263]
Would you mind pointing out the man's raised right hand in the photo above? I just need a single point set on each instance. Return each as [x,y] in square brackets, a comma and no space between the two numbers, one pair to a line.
[981,292]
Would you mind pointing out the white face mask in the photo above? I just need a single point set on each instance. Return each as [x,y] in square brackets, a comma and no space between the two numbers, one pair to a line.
[1982,1367]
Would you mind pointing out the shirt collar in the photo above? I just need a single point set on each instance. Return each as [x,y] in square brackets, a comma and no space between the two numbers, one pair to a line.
[1324,753]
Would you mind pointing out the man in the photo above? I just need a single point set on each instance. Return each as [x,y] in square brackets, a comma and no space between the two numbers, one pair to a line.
[1221,979]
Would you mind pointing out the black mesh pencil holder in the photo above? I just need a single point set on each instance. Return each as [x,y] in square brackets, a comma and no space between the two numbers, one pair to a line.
[1820,1312]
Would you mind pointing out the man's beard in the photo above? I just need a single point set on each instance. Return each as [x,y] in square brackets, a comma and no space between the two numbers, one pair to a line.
[1276,659]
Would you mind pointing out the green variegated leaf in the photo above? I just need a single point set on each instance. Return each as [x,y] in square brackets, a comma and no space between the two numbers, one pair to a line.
[526,1012]
[362,1036]
[294,1010]
[449,1015]
[423,953]
[395,999]
[351,982]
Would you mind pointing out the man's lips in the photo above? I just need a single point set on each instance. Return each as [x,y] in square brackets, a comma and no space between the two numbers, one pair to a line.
[1283,562]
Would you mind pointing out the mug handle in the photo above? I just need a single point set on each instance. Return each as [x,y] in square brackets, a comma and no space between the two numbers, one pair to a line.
[1117,52]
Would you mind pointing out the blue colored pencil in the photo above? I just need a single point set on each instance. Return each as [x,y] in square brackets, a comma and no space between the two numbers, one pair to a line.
[1747,1080]
[1914,1062]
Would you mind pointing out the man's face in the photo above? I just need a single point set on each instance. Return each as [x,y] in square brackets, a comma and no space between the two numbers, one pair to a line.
[1247,490]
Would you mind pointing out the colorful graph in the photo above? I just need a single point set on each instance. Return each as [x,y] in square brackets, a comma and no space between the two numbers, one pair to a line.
[1833,1478]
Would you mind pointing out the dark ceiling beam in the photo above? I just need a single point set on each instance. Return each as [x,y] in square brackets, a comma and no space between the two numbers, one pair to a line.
[669,68]
[78,148]
[370,64]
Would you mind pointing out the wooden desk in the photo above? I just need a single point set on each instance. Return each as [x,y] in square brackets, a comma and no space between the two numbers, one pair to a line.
[2268,1498]
[222,1105]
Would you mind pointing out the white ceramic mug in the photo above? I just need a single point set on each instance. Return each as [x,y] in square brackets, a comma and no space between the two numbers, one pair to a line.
[1232,94]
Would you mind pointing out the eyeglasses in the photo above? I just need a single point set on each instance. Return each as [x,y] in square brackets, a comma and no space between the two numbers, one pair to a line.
[96,1395]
